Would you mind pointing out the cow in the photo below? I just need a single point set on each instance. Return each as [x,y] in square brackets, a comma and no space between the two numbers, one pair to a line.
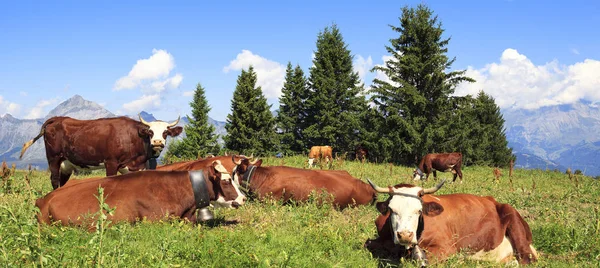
[149,195]
[319,153]
[227,161]
[361,153]
[442,162]
[118,144]
[415,222]
[297,184]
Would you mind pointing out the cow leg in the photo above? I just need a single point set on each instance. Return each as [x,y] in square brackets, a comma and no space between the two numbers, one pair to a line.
[55,177]
[434,174]
[518,232]
[459,173]
[112,167]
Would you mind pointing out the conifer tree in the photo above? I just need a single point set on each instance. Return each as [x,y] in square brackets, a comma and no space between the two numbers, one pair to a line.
[199,133]
[334,104]
[290,119]
[410,105]
[492,146]
[250,126]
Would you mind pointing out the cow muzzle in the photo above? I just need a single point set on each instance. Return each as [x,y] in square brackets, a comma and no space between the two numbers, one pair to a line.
[406,238]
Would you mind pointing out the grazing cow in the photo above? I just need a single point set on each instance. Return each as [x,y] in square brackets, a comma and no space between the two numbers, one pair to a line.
[288,183]
[115,144]
[319,153]
[146,194]
[361,153]
[443,162]
[413,220]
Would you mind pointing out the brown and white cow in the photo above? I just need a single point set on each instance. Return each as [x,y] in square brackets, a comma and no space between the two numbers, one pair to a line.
[442,162]
[319,153]
[149,194]
[115,144]
[415,222]
[227,161]
[288,183]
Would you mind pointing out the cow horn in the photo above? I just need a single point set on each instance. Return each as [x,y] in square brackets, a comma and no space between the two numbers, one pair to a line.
[239,162]
[435,188]
[254,161]
[379,189]
[175,123]
[142,120]
[251,156]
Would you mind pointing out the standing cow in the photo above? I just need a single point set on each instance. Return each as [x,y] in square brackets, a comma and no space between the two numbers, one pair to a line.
[319,153]
[415,221]
[442,162]
[115,144]
[150,195]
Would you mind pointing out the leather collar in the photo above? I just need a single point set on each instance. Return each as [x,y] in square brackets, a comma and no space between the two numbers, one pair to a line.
[201,195]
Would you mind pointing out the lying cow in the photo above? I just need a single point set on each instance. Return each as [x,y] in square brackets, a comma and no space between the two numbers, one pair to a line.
[442,162]
[438,226]
[319,153]
[226,161]
[288,183]
[115,144]
[145,194]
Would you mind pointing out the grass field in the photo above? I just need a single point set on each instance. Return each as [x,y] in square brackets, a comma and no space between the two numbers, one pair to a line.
[563,213]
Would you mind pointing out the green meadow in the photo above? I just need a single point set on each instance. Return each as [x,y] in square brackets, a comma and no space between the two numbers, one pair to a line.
[563,213]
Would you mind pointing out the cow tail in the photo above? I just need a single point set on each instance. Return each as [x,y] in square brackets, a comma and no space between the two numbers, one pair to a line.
[29,143]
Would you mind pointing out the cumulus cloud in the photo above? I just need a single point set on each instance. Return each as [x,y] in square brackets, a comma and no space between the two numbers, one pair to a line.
[516,82]
[146,102]
[188,93]
[8,107]
[38,111]
[381,75]
[270,74]
[151,74]
[362,66]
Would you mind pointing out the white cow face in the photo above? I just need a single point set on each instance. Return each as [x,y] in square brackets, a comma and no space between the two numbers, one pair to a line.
[417,174]
[158,132]
[406,209]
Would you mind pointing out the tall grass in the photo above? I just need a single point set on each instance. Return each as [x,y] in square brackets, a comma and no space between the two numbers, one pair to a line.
[562,213]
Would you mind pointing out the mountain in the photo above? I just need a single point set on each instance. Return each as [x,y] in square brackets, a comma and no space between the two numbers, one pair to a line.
[561,135]
[15,132]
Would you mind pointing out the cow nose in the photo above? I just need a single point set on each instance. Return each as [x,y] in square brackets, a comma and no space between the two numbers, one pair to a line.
[244,199]
[405,236]
[157,143]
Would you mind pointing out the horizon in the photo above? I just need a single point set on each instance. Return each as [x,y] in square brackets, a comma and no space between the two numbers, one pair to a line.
[149,56]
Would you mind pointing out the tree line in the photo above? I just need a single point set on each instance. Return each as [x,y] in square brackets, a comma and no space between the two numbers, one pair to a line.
[397,120]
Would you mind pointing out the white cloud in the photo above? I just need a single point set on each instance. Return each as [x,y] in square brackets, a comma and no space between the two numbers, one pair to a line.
[38,110]
[146,102]
[362,66]
[151,74]
[9,107]
[381,75]
[270,74]
[517,82]
[188,93]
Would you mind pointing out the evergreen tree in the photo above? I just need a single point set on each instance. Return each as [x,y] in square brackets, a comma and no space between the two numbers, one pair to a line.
[250,126]
[200,138]
[290,119]
[334,105]
[492,148]
[409,106]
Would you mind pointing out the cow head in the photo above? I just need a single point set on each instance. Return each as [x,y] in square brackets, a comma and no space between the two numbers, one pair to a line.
[227,192]
[406,209]
[241,170]
[158,131]
[418,174]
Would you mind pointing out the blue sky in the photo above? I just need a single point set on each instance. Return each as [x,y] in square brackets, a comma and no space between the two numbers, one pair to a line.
[148,55]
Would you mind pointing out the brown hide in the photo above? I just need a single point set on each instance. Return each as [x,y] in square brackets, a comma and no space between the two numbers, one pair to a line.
[226,161]
[461,222]
[441,162]
[146,194]
[321,152]
[288,183]
[118,142]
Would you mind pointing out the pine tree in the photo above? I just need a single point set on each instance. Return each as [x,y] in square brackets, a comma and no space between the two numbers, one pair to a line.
[410,106]
[492,148]
[250,126]
[334,104]
[290,119]
[200,138]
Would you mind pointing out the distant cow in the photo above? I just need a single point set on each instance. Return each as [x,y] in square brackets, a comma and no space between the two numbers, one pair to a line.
[288,183]
[319,153]
[414,222]
[442,162]
[149,195]
[361,153]
[115,144]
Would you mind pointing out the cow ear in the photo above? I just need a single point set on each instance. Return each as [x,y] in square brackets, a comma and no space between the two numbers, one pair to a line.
[258,163]
[212,171]
[144,132]
[175,131]
[382,207]
[432,209]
